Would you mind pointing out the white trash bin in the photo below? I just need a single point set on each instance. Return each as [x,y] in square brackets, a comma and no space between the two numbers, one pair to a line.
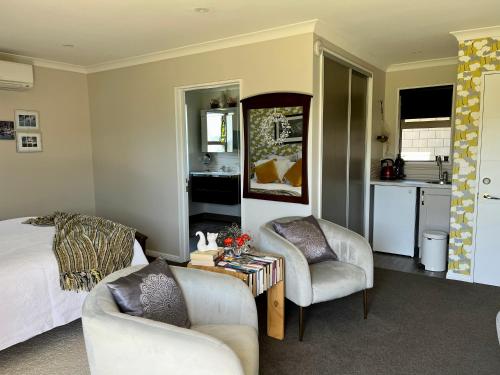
[434,250]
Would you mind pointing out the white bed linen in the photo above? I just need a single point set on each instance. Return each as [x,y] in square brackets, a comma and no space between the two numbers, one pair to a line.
[275,186]
[31,300]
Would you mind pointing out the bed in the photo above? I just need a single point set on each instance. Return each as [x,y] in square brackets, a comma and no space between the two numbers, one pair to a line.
[275,188]
[31,300]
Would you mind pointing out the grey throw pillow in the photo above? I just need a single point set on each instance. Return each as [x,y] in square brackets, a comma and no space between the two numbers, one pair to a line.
[151,293]
[307,236]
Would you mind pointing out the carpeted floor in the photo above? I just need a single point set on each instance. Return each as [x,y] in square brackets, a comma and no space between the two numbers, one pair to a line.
[416,325]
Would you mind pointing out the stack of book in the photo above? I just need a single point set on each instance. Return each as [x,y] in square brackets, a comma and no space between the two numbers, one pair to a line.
[206,258]
[262,270]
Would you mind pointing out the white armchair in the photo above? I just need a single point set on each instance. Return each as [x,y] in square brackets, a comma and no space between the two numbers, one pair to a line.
[223,338]
[307,284]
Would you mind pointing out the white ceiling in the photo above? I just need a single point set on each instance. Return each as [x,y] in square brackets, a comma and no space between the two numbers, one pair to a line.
[387,31]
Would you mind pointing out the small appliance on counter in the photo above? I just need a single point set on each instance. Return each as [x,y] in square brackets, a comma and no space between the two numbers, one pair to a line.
[387,170]
[399,167]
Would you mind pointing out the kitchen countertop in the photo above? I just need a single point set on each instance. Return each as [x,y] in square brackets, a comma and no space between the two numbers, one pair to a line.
[412,183]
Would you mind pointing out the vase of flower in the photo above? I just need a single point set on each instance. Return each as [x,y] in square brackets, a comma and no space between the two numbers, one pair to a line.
[235,242]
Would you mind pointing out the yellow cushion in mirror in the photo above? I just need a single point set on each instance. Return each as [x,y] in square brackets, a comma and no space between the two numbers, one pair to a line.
[267,172]
[294,174]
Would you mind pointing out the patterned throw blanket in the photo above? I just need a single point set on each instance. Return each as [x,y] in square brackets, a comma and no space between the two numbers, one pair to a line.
[87,248]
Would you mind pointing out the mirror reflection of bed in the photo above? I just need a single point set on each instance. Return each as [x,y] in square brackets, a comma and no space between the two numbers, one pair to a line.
[278,174]
[276,134]
[275,152]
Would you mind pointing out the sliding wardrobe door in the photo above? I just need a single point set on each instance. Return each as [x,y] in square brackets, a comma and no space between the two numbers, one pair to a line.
[335,142]
[357,152]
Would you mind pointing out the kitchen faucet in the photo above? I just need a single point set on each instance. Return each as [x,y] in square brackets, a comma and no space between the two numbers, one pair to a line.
[443,176]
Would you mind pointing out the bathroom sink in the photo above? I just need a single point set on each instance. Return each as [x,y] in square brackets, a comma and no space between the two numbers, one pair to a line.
[439,182]
[214,173]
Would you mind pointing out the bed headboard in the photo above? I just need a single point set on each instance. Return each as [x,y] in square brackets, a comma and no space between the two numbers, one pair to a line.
[141,238]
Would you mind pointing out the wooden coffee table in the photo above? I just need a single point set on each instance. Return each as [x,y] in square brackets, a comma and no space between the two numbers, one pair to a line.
[275,291]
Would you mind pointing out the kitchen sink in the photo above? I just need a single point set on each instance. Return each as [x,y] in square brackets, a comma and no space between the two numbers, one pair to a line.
[439,182]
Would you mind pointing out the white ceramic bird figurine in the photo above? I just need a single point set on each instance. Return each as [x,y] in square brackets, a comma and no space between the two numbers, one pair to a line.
[202,242]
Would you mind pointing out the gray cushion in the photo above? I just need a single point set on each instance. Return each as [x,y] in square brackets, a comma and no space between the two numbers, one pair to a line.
[152,293]
[306,234]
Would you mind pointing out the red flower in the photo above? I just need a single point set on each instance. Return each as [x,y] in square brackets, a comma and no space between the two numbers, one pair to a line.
[240,241]
[228,241]
[245,237]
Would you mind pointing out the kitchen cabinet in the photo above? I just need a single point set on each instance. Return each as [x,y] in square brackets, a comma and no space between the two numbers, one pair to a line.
[394,219]
[434,211]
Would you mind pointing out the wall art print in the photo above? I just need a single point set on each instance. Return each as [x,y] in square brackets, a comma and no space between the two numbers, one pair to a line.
[7,131]
[27,120]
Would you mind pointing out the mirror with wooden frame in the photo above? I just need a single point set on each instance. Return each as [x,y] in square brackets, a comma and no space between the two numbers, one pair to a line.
[276,130]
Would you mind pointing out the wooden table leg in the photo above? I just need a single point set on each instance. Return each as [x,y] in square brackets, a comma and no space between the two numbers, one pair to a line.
[276,311]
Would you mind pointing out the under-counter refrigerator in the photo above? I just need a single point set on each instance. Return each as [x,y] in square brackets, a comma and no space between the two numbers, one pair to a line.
[394,215]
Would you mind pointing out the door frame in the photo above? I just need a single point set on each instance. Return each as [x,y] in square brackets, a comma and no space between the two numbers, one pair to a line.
[478,170]
[326,53]
[183,157]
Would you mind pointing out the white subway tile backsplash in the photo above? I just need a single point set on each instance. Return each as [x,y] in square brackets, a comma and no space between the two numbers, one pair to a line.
[407,142]
[422,143]
[436,142]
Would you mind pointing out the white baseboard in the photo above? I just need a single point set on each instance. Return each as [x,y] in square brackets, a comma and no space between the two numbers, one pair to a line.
[459,277]
[171,257]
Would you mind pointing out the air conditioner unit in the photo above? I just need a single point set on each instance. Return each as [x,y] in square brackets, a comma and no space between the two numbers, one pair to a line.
[15,76]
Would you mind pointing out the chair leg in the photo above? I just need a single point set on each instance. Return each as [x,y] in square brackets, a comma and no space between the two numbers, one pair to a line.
[301,323]
[365,303]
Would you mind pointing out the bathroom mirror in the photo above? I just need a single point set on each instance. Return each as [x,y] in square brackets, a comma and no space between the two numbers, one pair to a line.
[276,129]
[219,130]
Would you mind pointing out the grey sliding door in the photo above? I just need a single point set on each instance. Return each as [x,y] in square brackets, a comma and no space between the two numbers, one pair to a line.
[344,141]
[335,142]
[357,141]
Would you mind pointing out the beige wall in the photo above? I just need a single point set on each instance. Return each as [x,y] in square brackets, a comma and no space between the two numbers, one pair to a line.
[134,131]
[60,177]
[437,75]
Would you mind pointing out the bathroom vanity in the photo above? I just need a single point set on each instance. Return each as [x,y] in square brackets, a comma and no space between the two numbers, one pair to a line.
[215,187]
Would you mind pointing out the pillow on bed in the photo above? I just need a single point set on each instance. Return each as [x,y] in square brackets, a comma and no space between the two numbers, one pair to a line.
[266,172]
[151,293]
[283,165]
[294,175]
[306,234]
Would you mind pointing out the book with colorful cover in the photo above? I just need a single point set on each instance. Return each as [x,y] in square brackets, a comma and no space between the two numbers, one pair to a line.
[263,270]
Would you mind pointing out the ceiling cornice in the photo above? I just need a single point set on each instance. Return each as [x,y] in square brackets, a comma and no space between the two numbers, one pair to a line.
[59,65]
[43,63]
[422,64]
[316,26]
[233,41]
[483,32]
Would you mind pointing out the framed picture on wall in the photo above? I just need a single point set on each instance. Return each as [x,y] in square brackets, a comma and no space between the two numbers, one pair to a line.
[294,130]
[27,120]
[7,130]
[29,142]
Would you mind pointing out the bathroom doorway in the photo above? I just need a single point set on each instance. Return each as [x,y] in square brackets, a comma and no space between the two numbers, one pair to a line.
[211,145]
